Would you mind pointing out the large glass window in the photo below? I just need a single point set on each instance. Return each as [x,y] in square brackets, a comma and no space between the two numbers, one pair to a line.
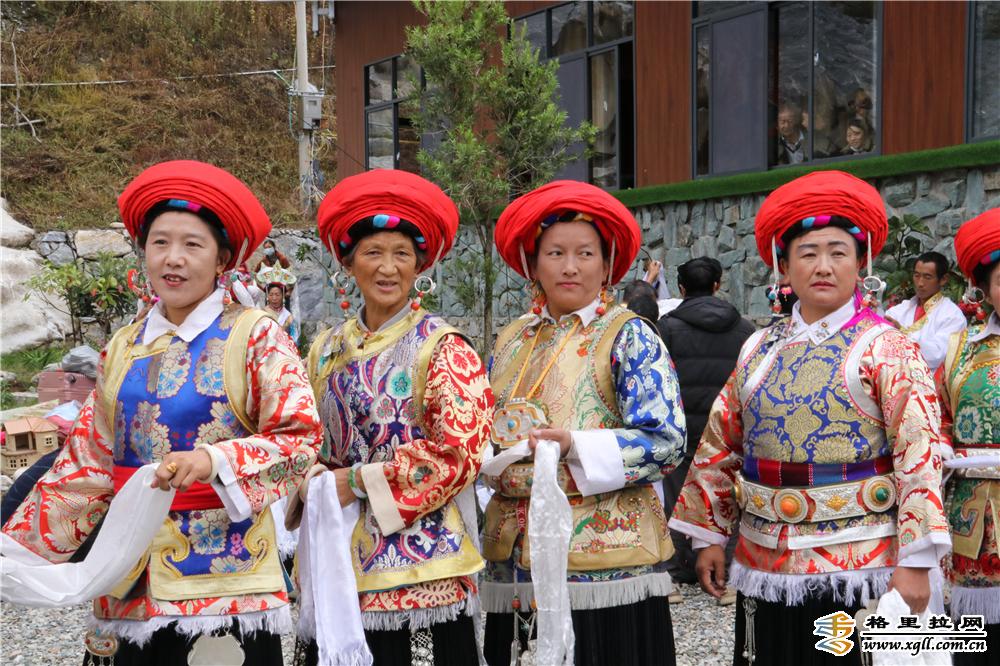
[593,44]
[984,71]
[391,139]
[817,63]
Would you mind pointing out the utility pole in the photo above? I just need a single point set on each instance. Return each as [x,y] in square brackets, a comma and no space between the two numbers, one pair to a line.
[301,89]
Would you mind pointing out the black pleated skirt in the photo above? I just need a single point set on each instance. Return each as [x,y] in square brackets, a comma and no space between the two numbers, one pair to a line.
[635,635]
[454,645]
[784,634]
[168,648]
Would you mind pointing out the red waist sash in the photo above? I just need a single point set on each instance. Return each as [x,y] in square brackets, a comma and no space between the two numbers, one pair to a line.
[199,496]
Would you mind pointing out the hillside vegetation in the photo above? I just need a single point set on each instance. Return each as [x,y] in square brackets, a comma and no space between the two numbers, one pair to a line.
[95,138]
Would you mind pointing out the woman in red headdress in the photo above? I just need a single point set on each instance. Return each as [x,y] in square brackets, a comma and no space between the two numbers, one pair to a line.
[214,394]
[590,375]
[406,407]
[969,386]
[820,452]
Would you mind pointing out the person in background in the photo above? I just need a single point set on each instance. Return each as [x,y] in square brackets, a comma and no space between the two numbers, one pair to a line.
[271,257]
[654,275]
[791,136]
[930,317]
[640,297]
[858,137]
[704,335]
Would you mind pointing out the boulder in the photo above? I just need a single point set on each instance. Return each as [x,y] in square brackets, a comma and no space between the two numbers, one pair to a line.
[32,322]
[12,232]
[91,242]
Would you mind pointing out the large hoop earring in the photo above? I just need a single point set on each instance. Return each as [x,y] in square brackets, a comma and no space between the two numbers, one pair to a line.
[975,296]
[339,282]
[422,291]
[873,286]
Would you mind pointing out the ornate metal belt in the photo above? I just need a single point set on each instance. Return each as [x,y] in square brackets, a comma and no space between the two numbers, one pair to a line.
[816,504]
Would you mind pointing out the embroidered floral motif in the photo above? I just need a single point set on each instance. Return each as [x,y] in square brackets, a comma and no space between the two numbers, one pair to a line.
[229,565]
[207,531]
[223,426]
[967,425]
[149,439]
[208,379]
[120,430]
[174,367]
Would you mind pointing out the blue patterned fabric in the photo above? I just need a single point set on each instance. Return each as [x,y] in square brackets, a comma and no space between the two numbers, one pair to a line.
[649,400]
[171,401]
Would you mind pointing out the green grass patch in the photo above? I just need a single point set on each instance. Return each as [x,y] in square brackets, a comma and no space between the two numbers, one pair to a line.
[27,363]
[953,157]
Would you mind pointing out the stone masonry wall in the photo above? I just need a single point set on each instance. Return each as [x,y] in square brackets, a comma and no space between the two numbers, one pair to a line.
[672,233]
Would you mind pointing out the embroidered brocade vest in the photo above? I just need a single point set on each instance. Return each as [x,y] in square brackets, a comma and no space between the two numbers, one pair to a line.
[622,528]
[808,403]
[972,377]
[169,396]
[370,391]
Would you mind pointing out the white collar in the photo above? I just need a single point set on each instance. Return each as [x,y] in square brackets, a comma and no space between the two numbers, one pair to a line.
[193,325]
[405,310]
[587,314]
[824,328]
[992,328]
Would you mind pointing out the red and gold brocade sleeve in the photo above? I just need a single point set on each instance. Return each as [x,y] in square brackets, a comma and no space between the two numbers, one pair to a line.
[947,412]
[903,387]
[706,509]
[425,474]
[272,463]
[70,500]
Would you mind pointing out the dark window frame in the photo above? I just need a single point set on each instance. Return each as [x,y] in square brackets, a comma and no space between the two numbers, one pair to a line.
[393,102]
[970,63]
[589,50]
[707,20]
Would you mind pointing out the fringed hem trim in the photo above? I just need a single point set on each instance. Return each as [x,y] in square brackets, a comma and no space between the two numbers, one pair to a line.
[288,543]
[417,618]
[793,589]
[274,621]
[983,601]
[498,597]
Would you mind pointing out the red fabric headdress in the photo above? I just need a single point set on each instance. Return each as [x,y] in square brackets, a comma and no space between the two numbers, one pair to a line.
[198,184]
[822,194]
[978,241]
[391,196]
[520,224]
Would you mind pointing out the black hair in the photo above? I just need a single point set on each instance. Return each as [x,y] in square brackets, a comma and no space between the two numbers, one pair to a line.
[570,216]
[981,275]
[638,289]
[797,230]
[699,276]
[271,285]
[645,306]
[204,214]
[348,259]
[939,260]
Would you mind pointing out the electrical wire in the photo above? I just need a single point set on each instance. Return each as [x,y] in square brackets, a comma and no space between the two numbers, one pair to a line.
[255,72]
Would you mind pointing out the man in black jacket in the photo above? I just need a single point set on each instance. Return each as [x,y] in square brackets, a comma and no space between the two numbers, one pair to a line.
[704,335]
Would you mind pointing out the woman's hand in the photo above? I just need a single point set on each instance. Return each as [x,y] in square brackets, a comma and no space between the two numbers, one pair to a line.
[181,469]
[711,570]
[913,584]
[344,492]
[563,437]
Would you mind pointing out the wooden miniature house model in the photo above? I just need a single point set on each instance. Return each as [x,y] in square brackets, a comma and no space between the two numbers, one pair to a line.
[25,440]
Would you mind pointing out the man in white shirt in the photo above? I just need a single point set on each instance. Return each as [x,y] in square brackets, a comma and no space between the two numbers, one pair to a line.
[930,317]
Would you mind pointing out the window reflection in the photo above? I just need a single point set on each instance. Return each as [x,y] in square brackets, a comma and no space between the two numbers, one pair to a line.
[407,77]
[380,82]
[604,114]
[702,74]
[791,83]
[534,27]
[612,20]
[569,28]
[985,71]
[381,149]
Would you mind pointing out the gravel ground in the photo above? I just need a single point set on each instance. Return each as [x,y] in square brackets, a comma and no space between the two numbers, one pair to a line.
[54,637]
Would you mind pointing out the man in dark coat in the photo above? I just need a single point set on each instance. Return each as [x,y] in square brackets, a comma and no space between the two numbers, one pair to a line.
[704,335]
